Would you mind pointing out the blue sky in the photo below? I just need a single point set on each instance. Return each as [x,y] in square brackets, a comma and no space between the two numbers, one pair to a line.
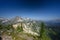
[35,9]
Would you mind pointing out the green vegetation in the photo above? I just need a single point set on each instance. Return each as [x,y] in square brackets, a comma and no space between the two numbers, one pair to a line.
[19,29]
[17,34]
[43,32]
[42,29]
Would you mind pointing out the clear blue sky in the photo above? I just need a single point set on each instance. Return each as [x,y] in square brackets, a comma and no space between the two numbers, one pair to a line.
[35,9]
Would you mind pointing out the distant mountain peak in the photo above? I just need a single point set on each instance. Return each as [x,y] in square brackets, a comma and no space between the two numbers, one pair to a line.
[3,20]
[17,17]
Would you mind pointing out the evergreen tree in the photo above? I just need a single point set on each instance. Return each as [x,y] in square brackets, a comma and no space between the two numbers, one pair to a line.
[43,32]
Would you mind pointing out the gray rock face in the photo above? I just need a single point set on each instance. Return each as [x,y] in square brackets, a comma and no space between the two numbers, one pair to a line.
[29,25]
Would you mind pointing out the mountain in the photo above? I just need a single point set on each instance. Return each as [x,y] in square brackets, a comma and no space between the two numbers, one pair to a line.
[14,20]
[29,25]
[53,23]
[3,20]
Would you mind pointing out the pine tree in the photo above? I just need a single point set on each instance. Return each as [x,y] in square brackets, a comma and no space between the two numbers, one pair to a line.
[43,32]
